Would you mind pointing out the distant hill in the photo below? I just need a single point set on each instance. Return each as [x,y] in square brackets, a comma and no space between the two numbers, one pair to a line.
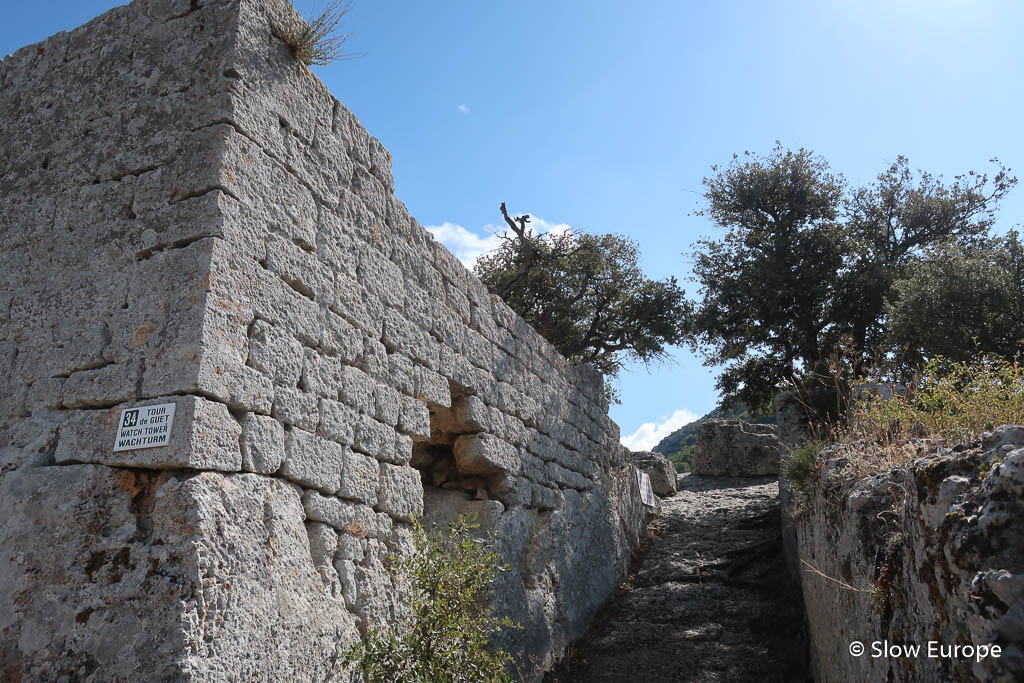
[678,446]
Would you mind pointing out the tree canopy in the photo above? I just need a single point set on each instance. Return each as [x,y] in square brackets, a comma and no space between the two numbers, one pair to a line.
[585,294]
[959,300]
[806,263]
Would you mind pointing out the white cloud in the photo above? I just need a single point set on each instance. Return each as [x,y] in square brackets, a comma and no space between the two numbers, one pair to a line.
[542,227]
[649,434]
[467,246]
[463,109]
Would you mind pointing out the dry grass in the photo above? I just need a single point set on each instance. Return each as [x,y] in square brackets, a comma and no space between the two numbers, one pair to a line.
[951,401]
[949,405]
[315,42]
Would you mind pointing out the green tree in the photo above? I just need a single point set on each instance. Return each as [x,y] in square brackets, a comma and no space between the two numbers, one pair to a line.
[957,302]
[767,287]
[806,263]
[585,294]
[894,223]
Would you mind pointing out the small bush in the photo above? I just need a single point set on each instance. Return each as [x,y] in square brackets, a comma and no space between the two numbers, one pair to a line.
[800,466]
[446,636]
[313,42]
[954,401]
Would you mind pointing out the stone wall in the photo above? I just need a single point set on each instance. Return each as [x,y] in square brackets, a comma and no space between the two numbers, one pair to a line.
[929,552]
[734,448]
[190,217]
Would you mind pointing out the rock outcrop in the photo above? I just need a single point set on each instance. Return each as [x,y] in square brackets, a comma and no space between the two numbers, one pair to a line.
[661,471]
[928,556]
[734,448]
[190,219]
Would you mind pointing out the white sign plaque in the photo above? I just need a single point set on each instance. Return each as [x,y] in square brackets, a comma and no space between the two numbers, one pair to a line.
[643,482]
[144,427]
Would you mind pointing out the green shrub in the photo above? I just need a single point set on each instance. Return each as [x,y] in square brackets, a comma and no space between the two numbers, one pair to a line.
[954,401]
[445,638]
[800,466]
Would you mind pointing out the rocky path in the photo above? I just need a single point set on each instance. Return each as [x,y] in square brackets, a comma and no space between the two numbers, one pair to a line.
[710,600]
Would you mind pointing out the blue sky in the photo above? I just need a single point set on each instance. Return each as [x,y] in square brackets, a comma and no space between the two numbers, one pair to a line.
[606,115]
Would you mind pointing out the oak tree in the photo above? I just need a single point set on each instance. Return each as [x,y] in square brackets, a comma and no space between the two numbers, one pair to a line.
[805,266]
[585,294]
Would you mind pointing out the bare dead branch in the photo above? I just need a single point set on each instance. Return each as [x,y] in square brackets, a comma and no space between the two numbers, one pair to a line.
[526,249]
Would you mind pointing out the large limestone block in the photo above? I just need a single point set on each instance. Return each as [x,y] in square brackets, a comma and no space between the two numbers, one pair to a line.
[204,436]
[401,493]
[83,577]
[360,478]
[156,576]
[441,506]
[313,461]
[263,610]
[275,354]
[733,448]
[664,480]
[100,386]
[485,454]
[262,444]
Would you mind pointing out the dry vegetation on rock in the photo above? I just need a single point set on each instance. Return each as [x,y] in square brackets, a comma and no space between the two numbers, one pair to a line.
[315,42]
[949,406]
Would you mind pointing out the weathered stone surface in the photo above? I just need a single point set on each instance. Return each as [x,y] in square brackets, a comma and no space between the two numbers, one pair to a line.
[733,448]
[296,407]
[374,438]
[46,393]
[344,516]
[312,461]
[321,375]
[92,594]
[261,595]
[204,437]
[933,550]
[401,493]
[226,379]
[485,454]
[661,471]
[360,478]
[387,404]
[441,506]
[338,421]
[323,543]
[100,387]
[207,225]
[357,389]
[132,556]
[414,418]
[276,355]
[262,444]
